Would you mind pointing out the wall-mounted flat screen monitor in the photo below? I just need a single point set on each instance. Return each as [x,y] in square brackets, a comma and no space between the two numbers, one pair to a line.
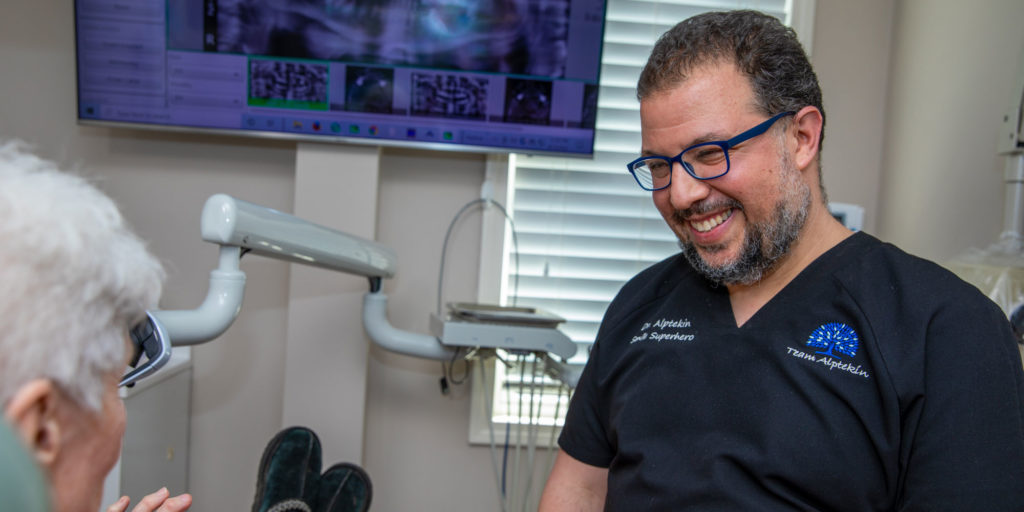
[478,75]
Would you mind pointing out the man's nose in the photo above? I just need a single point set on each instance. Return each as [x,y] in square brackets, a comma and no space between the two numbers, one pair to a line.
[685,190]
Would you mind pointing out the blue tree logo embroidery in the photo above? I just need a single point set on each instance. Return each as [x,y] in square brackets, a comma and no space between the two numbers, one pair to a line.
[834,337]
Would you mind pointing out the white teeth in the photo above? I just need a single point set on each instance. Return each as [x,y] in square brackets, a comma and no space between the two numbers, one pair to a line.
[709,224]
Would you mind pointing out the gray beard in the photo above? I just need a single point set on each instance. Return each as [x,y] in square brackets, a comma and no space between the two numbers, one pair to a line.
[764,243]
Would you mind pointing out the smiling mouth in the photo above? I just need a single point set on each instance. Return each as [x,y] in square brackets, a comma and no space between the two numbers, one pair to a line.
[711,223]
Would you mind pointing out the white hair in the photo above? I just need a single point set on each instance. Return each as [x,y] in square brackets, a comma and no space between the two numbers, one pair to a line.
[73,279]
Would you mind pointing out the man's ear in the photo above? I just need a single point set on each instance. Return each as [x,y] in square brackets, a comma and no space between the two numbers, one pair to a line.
[808,123]
[32,414]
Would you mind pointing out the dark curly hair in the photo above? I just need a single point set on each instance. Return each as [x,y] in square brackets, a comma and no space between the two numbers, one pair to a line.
[764,49]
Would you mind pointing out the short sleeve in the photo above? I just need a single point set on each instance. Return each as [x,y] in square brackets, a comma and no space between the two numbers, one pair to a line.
[967,431]
[584,435]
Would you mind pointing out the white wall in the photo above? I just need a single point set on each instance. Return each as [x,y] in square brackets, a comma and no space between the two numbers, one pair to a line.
[414,443]
[850,54]
[953,65]
[416,439]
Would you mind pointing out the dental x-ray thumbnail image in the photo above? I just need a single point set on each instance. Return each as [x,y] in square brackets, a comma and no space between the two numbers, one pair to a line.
[449,96]
[369,89]
[287,84]
[527,101]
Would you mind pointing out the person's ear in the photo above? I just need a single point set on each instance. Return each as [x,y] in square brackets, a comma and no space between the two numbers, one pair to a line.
[32,414]
[807,124]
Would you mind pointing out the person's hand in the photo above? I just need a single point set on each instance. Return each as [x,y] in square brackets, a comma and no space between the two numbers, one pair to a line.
[159,501]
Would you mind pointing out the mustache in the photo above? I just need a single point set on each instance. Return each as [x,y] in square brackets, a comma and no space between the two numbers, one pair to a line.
[705,207]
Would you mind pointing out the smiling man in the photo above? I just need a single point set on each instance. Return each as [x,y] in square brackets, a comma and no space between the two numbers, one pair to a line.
[780,362]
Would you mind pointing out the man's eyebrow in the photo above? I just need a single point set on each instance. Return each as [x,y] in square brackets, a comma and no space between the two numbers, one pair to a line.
[707,137]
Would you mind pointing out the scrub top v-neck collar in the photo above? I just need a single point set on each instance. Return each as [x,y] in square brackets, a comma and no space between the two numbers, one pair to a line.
[721,311]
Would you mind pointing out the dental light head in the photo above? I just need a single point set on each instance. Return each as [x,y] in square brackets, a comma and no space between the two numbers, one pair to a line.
[270,233]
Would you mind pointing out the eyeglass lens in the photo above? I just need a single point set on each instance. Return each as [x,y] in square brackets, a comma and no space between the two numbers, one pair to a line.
[703,162]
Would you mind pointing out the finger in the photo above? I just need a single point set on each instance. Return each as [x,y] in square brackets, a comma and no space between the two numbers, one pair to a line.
[178,503]
[152,501]
[120,505]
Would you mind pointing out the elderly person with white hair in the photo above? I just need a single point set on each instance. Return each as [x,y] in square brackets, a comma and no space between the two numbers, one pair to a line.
[74,280]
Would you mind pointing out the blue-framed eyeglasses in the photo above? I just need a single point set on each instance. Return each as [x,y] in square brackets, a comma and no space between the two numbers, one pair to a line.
[704,161]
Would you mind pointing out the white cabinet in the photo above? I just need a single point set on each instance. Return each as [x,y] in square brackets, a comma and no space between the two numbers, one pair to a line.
[154,452]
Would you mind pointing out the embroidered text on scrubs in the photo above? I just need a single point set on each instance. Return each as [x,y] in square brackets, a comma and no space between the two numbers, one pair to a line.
[829,362]
[665,330]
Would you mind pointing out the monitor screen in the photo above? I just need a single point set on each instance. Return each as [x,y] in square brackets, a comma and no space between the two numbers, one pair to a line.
[478,75]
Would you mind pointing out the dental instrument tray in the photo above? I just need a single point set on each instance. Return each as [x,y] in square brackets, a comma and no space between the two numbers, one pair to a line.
[510,328]
[510,315]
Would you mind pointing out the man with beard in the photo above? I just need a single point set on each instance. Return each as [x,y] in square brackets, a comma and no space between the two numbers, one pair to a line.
[780,362]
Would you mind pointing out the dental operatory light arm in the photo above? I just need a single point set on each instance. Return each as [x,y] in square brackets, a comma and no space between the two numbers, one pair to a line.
[1011,145]
[239,227]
